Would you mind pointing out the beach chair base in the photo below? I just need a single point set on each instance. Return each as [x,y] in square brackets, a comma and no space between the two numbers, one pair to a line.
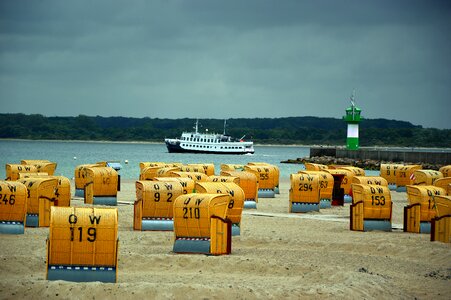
[32,220]
[110,201]
[298,207]
[12,227]
[325,203]
[250,204]
[192,245]
[266,193]
[276,190]
[401,189]
[79,193]
[157,225]
[425,227]
[379,225]
[81,274]
[236,229]
[347,199]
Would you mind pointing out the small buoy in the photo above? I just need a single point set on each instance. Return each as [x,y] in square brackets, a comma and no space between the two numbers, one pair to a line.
[126,161]
[75,157]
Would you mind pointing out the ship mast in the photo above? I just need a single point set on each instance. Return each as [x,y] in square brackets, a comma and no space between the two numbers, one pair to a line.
[197,126]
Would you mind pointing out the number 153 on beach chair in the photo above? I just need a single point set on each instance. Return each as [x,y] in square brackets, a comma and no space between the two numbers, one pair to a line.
[371,208]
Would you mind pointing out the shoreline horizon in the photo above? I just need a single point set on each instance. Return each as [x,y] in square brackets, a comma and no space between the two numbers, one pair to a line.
[255,144]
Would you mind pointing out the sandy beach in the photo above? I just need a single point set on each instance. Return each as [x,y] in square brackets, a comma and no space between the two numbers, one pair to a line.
[278,255]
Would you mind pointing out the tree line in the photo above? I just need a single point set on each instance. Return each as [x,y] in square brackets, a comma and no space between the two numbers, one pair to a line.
[290,130]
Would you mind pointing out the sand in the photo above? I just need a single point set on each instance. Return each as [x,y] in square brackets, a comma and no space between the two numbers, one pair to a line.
[278,255]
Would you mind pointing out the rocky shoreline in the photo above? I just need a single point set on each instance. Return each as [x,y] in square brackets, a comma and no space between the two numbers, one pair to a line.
[367,164]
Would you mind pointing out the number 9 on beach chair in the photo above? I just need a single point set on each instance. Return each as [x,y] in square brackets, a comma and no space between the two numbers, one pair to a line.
[153,208]
[388,171]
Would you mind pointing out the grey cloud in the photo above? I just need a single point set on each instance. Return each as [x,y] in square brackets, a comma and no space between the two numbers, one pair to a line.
[227,58]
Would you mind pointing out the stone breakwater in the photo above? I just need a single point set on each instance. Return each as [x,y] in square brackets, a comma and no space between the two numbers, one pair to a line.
[366,164]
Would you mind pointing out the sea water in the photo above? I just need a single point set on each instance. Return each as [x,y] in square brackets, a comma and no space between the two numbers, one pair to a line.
[69,154]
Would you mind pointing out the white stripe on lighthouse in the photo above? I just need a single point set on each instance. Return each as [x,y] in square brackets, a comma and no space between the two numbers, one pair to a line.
[353,130]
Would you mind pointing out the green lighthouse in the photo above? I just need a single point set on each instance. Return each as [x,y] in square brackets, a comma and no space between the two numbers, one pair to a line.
[352,118]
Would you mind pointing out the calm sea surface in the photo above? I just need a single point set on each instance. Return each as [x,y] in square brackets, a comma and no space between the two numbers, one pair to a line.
[68,155]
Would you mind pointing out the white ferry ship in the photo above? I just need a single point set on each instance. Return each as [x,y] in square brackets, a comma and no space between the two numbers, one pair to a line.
[196,142]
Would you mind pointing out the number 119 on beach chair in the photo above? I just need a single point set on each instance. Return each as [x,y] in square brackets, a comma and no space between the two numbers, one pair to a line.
[82,244]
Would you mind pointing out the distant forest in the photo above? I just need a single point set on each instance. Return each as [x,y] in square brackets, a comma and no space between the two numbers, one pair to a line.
[292,130]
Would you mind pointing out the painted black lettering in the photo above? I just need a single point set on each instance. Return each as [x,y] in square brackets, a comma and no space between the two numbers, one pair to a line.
[94,219]
[92,234]
[12,188]
[72,219]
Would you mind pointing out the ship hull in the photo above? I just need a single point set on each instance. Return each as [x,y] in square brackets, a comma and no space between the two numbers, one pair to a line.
[175,147]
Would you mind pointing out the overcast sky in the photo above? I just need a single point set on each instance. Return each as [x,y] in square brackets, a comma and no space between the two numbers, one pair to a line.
[227,59]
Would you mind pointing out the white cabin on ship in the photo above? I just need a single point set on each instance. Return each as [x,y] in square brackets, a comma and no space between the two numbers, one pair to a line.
[195,142]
